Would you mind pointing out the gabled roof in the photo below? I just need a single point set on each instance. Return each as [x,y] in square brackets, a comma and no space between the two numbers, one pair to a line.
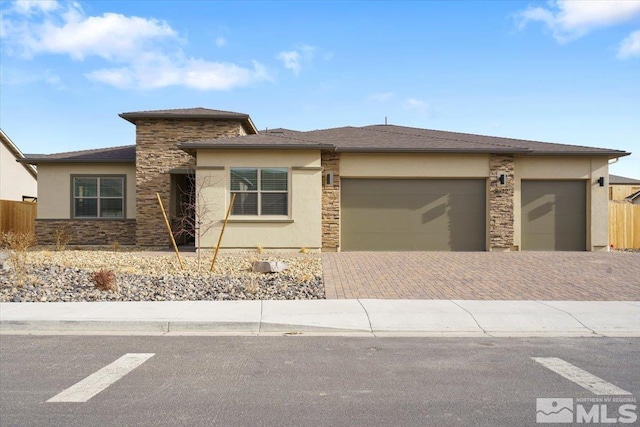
[13,149]
[391,138]
[622,180]
[192,113]
[124,154]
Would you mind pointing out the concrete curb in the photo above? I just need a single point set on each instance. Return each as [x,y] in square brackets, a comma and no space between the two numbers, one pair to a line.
[367,317]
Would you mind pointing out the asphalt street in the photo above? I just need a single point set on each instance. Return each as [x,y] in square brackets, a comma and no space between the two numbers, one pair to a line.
[304,381]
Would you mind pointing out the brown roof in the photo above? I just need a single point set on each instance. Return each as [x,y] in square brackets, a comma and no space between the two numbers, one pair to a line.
[273,139]
[391,138]
[622,180]
[191,113]
[124,154]
[377,138]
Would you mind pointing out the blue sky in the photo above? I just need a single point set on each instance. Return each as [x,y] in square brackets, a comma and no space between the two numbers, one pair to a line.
[559,71]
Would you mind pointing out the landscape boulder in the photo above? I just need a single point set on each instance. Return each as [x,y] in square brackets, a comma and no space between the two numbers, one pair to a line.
[269,266]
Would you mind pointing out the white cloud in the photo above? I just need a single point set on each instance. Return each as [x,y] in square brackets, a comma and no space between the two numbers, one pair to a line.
[291,60]
[416,104]
[159,72]
[630,46]
[569,20]
[27,7]
[221,42]
[144,51]
[302,54]
[110,36]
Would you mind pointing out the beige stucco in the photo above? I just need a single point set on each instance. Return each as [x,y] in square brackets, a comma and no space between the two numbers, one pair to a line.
[15,180]
[54,186]
[588,169]
[301,228]
[413,165]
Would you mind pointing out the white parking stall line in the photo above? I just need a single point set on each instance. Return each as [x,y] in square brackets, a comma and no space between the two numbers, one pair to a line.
[584,379]
[99,380]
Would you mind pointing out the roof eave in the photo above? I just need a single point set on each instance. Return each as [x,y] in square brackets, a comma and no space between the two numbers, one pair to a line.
[37,161]
[191,147]
[13,148]
[424,150]
[610,154]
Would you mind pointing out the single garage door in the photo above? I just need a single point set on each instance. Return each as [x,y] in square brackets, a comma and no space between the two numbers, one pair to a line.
[554,215]
[413,215]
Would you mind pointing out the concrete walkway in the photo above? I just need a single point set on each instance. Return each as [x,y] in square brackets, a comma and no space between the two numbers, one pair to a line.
[376,317]
[558,276]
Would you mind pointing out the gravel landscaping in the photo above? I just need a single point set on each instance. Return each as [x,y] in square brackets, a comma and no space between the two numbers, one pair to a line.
[156,276]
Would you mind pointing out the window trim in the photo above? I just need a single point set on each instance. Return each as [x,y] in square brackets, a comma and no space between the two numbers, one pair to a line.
[98,217]
[258,191]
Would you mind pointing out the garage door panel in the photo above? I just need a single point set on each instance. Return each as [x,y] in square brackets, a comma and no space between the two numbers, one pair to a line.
[554,215]
[413,214]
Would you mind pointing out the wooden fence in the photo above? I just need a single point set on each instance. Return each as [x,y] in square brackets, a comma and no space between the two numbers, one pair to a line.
[17,216]
[624,225]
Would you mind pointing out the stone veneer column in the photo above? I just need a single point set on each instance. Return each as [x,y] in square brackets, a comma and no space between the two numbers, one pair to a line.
[330,202]
[501,209]
[157,153]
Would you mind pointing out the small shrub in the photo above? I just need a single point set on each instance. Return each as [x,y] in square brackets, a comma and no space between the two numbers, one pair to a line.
[63,237]
[105,280]
[305,278]
[18,244]
[253,287]
[260,249]
[303,250]
[115,246]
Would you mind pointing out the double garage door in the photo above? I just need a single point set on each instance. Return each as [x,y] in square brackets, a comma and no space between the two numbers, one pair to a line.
[413,214]
[450,215]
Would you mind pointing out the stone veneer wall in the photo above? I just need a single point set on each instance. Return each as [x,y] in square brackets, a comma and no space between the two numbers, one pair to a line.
[156,154]
[330,162]
[88,231]
[501,209]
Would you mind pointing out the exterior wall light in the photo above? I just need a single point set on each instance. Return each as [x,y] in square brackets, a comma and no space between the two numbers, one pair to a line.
[329,178]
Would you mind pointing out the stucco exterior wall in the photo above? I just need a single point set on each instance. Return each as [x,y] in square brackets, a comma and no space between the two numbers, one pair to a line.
[413,165]
[15,181]
[301,228]
[574,168]
[54,200]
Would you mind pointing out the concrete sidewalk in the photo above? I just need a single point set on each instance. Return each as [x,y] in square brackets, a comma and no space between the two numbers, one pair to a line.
[375,317]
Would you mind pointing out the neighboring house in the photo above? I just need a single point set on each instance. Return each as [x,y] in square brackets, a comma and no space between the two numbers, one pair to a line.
[381,187]
[621,187]
[18,181]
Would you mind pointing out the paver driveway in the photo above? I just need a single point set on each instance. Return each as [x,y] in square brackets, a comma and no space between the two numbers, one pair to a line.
[579,276]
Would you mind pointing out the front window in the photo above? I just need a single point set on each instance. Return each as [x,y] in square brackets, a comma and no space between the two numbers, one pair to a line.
[260,191]
[98,197]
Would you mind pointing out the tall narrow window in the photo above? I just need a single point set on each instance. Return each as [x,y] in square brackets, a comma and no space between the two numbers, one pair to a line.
[260,191]
[98,197]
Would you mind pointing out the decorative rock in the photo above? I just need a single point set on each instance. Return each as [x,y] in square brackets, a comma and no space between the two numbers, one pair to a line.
[269,266]
[4,261]
[66,276]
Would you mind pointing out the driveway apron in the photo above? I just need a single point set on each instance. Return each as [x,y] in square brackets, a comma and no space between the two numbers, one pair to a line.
[571,276]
